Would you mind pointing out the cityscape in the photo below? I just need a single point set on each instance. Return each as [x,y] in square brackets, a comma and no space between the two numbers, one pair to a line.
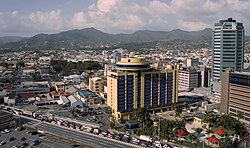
[116,75]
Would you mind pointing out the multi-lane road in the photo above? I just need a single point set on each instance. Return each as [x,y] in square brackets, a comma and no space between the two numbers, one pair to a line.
[76,135]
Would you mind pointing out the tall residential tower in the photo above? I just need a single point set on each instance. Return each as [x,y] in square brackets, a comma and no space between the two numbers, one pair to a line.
[228,47]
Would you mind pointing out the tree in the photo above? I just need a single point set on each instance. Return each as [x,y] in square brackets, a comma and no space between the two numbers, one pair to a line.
[143,116]
[231,123]
[193,138]
[112,122]
[178,110]
[210,118]
[240,115]
[226,143]
[198,130]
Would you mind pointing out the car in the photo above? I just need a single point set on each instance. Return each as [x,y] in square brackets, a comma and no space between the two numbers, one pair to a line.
[18,129]
[34,133]
[36,142]
[23,139]
[2,143]
[2,132]
[117,137]
[12,139]
[76,145]
[23,145]
[6,130]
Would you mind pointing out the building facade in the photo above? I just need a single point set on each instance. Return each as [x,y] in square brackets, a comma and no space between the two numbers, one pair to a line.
[96,84]
[189,78]
[228,47]
[192,62]
[235,93]
[135,85]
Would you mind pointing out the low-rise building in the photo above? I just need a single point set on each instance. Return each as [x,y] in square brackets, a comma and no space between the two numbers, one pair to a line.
[88,97]
[72,79]
[59,86]
[75,102]
[63,101]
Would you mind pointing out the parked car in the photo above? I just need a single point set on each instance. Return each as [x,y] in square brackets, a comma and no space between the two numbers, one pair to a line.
[36,142]
[2,143]
[12,139]
[23,145]
[23,139]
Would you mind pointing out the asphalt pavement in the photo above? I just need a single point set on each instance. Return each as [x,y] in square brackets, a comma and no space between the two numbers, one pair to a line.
[81,137]
[45,141]
[75,135]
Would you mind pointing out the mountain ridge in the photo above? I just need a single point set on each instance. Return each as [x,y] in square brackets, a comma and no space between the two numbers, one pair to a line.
[91,37]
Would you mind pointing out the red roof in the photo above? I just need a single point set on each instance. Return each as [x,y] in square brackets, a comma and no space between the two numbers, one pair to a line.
[213,139]
[181,132]
[26,95]
[220,131]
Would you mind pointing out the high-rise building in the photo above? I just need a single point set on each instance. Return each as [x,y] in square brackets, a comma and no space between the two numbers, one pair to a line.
[192,62]
[96,84]
[205,76]
[188,78]
[228,47]
[235,93]
[135,85]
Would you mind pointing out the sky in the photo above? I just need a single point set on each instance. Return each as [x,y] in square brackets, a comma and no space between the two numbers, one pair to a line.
[30,17]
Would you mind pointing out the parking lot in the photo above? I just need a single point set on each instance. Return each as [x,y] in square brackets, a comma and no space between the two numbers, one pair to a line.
[43,141]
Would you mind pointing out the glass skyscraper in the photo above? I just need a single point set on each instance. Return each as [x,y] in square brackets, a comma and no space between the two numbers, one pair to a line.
[228,47]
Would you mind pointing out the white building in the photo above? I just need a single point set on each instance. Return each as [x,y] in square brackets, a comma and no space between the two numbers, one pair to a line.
[192,62]
[188,78]
[75,102]
[63,101]
[75,79]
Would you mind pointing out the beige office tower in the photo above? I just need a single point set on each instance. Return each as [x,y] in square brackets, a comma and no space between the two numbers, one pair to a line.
[133,84]
[235,94]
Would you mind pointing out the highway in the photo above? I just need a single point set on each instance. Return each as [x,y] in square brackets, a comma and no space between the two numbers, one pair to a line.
[75,135]
[88,139]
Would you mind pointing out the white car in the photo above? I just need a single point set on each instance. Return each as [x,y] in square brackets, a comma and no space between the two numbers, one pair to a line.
[2,142]
[2,132]
[6,131]
[18,129]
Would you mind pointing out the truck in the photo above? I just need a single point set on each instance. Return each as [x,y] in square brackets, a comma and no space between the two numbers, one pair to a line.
[40,132]
[145,138]
[96,131]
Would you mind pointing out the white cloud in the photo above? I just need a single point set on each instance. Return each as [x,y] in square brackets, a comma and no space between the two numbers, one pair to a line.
[192,26]
[79,20]
[14,13]
[46,20]
[106,5]
[116,16]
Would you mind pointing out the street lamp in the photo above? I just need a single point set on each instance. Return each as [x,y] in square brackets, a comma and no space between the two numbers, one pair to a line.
[155,126]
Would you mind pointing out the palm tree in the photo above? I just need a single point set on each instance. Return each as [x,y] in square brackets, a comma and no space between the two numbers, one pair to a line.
[179,124]
[198,130]
[226,143]
[193,138]
[210,118]
[178,110]
[185,104]
[240,115]
[143,116]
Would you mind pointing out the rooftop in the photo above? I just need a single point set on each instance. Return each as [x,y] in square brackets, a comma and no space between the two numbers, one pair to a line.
[87,93]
